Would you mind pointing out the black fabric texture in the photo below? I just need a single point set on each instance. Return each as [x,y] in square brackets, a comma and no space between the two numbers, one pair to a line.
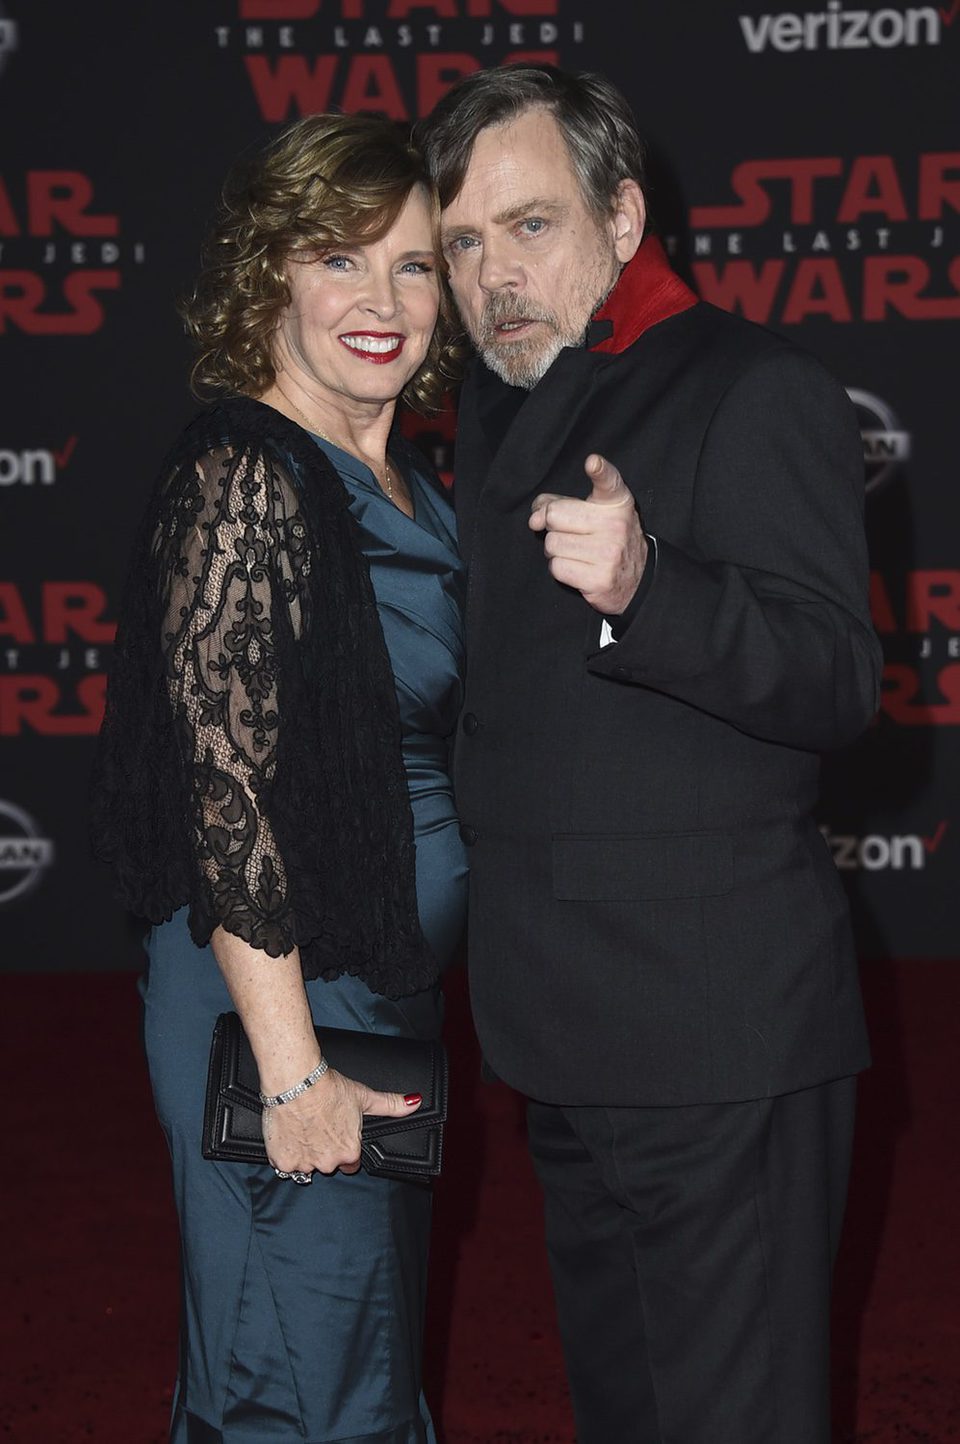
[691,1252]
[250,761]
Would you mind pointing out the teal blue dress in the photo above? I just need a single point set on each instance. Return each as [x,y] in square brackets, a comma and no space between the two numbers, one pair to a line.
[303,1306]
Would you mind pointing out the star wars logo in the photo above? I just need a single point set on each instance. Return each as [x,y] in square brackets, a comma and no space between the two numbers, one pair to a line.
[58,254]
[52,668]
[918,619]
[866,238]
[392,57]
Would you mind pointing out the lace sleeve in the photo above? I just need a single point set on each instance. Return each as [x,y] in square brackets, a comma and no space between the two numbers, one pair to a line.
[232,559]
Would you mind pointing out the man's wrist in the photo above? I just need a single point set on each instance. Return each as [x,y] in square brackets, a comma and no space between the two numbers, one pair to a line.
[619,623]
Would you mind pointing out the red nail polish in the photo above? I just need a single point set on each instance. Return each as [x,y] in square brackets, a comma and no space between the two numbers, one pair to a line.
[412,1098]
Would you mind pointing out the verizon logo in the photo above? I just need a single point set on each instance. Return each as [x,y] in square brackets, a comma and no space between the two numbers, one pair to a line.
[835,28]
[40,464]
[876,853]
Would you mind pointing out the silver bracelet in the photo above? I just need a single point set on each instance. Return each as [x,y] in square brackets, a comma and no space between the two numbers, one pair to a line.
[288,1095]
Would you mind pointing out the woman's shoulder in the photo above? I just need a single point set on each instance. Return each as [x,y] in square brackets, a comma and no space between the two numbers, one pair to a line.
[237,423]
[237,435]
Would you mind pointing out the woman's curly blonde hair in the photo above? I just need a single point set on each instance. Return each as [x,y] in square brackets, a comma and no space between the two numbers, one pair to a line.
[326,180]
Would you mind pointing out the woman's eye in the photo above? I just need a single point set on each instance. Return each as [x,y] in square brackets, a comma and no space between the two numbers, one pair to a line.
[417,268]
[336,263]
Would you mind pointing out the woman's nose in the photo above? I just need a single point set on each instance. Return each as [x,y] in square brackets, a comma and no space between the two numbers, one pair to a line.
[381,296]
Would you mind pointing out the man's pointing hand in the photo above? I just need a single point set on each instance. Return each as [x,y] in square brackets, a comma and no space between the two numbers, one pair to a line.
[596,546]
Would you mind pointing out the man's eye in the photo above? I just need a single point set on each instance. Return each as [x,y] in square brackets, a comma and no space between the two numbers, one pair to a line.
[533,225]
[459,244]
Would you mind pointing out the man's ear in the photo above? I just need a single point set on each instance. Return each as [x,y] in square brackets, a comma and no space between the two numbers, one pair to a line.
[628,220]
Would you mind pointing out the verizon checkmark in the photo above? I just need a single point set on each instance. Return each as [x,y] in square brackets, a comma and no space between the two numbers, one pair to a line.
[930,844]
[948,16]
[63,456]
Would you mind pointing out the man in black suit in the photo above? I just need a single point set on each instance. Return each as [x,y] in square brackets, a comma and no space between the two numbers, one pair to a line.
[661,508]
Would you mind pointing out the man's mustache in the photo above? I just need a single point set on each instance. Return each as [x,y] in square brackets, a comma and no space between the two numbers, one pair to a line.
[502,308]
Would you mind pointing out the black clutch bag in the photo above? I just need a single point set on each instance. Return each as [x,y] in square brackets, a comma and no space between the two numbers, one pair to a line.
[405,1148]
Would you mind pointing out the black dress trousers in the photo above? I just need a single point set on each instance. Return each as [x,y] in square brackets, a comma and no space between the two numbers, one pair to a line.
[691,1250]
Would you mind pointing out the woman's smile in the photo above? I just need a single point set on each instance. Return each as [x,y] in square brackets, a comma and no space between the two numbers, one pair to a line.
[379,347]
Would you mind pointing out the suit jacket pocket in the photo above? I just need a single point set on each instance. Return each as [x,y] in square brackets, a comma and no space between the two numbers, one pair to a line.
[642,867]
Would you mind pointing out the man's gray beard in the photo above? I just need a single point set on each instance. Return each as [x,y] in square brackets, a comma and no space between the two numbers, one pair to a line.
[525,363]
[519,363]
[524,366]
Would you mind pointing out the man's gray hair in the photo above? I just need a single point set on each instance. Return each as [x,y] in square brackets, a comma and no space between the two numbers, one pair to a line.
[595,121]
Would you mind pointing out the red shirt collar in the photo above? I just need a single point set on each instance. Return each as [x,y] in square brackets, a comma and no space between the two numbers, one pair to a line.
[647,293]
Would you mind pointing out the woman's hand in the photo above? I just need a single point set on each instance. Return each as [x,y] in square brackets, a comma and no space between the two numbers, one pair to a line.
[320,1130]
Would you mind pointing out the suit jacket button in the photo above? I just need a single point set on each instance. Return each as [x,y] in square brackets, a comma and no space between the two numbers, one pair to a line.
[471,724]
[468,835]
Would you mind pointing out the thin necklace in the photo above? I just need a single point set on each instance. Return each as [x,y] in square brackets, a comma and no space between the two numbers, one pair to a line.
[388,471]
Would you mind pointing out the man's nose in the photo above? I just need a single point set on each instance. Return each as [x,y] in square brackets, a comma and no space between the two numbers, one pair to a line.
[498,269]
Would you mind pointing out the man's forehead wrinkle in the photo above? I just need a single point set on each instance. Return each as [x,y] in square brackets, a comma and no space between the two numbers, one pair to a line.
[501,186]
[514,143]
[482,191]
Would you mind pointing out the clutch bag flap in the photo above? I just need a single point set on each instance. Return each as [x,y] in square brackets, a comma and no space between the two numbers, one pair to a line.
[408,1147]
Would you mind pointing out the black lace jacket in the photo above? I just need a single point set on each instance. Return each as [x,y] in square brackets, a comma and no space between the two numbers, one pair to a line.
[250,762]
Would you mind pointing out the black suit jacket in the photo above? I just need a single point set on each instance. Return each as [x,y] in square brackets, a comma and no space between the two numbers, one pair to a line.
[655,918]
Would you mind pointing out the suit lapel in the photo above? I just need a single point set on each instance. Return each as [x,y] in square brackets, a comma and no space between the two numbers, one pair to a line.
[502,468]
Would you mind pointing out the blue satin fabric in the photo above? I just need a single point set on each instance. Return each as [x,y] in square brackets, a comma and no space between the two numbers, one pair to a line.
[419,583]
[303,1307]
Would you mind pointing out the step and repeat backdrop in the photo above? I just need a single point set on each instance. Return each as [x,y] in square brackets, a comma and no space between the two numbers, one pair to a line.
[806,174]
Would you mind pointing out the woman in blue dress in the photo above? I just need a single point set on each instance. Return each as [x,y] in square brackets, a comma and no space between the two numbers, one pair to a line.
[272,789]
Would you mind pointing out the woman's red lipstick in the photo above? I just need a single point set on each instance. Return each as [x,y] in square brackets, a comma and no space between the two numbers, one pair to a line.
[378,347]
